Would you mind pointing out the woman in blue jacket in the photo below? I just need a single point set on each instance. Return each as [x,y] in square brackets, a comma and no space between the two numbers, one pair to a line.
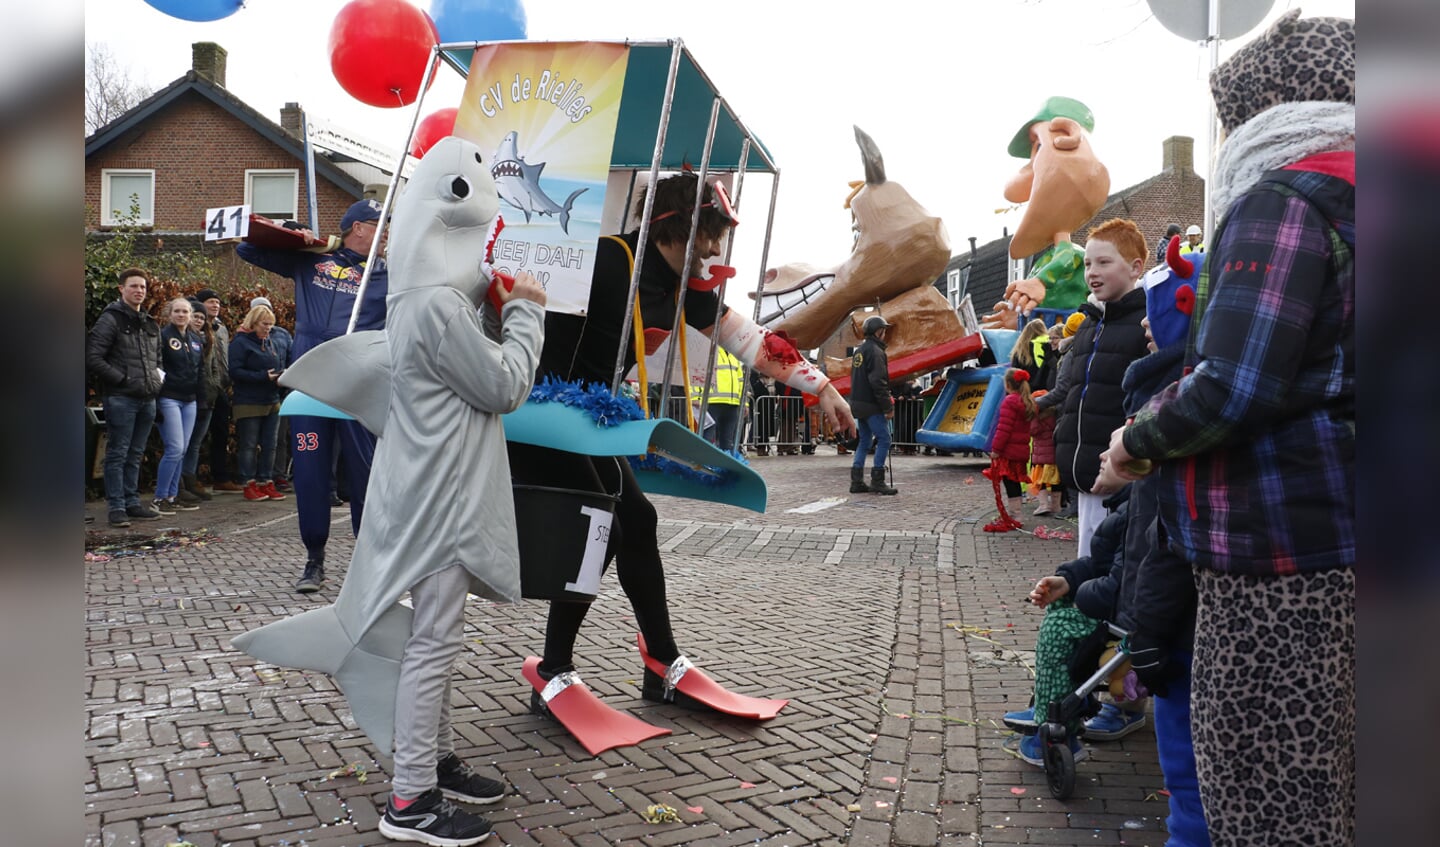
[255,370]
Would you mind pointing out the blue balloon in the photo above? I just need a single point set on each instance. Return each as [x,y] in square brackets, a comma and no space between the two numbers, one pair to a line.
[478,20]
[198,10]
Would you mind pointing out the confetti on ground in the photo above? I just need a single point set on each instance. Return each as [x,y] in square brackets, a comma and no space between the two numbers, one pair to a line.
[179,844]
[1017,791]
[881,804]
[695,809]
[170,539]
[1045,532]
[661,813]
[853,807]
[599,775]
[354,769]
[890,779]
[747,785]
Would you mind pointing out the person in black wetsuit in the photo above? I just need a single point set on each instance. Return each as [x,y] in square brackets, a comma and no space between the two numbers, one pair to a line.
[585,348]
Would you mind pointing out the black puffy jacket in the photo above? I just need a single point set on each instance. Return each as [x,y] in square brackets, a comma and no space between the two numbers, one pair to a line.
[122,352]
[181,358]
[1094,404]
[870,379]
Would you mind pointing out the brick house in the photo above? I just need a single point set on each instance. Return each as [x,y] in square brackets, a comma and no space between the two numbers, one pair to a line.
[193,145]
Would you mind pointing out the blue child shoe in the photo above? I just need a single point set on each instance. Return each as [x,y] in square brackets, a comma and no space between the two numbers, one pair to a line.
[1113,723]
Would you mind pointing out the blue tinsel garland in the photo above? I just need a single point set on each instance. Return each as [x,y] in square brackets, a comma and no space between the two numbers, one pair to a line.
[608,410]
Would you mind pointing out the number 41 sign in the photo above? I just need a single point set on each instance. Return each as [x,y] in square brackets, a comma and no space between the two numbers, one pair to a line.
[227,222]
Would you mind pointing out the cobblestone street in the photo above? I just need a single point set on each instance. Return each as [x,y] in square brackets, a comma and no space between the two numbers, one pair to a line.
[897,628]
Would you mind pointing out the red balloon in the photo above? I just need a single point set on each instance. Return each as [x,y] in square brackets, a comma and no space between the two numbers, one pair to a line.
[432,128]
[379,50]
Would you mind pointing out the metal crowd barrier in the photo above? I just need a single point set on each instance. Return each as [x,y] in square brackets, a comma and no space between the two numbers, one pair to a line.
[783,425]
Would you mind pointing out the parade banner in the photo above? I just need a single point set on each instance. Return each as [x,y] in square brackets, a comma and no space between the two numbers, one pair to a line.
[548,114]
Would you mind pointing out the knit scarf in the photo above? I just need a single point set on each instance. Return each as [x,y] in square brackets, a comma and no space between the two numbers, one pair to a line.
[1277,137]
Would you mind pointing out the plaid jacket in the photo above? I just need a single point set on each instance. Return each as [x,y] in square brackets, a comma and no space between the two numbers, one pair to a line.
[1257,442]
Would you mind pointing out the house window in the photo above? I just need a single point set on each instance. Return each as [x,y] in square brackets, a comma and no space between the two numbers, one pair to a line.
[952,287]
[273,193]
[121,191]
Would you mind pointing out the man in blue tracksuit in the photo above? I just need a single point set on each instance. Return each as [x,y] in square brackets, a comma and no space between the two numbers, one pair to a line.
[325,288]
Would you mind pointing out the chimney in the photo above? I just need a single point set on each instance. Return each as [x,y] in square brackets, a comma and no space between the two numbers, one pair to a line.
[972,245]
[207,59]
[1179,153]
[290,115]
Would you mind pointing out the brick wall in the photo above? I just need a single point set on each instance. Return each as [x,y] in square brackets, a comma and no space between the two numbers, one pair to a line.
[1172,197]
[199,153]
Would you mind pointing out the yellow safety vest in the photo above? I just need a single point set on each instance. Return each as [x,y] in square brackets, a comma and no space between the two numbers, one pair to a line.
[725,387]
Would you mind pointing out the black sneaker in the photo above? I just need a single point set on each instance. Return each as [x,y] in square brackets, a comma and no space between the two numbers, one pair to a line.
[143,512]
[162,506]
[311,579]
[433,820]
[458,781]
[181,506]
[118,518]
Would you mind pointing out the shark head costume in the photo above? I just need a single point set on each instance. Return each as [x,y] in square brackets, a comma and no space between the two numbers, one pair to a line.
[433,385]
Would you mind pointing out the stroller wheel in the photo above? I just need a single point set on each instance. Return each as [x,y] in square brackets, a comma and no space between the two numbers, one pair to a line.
[1059,765]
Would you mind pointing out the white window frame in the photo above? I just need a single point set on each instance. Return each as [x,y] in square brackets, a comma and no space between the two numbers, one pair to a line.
[952,287]
[107,207]
[294,173]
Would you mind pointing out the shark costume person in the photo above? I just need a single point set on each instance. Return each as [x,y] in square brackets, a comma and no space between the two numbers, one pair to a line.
[585,347]
[325,289]
[440,520]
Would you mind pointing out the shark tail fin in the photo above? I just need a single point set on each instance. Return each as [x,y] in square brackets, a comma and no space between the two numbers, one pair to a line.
[565,212]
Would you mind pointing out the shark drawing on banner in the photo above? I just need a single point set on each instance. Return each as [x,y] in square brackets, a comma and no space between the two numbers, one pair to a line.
[518,182]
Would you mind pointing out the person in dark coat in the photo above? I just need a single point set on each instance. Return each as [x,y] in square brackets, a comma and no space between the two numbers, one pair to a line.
[122,355]
[872,405]
[1104,346]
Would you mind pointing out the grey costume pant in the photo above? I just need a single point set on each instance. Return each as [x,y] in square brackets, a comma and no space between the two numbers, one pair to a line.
[422,702]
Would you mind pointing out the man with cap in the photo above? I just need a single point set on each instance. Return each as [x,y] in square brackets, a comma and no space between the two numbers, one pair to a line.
[1064,185]
[1194,241]
[326,285]
[283,343]
[872,405]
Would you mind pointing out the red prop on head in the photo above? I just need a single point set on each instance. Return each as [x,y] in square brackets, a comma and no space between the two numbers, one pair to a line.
[1179,264]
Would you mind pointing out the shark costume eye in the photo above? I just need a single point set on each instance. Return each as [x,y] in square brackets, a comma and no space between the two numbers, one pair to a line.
[478,160]
[460,188]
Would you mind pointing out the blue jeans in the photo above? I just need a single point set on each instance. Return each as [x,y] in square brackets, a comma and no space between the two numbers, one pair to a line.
[176,423]
[197,437]
[878,426]
[127,425]
[727,425]
[252,434]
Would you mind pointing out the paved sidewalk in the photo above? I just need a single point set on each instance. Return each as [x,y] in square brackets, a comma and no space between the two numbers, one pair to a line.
[897,628]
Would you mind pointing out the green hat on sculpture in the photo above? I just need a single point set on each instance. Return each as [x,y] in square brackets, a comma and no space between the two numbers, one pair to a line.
[1055,107]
